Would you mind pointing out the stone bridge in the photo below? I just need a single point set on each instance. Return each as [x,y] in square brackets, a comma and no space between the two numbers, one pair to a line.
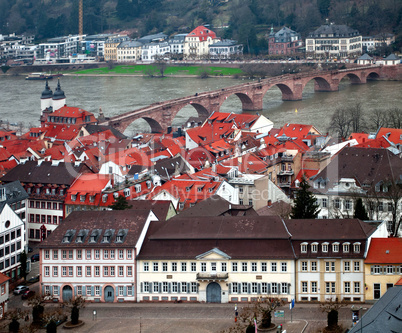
[160,115]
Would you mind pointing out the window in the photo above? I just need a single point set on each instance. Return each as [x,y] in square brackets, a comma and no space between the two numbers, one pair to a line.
[129,291]
[223,267]
[121,291]
[97,270]
[64,254]
[175,287]
[105,254]
[234,266]
[357,266]
[304,247]
[97,290]
[88,271]
[284,287]
[348,204]
[55,270]
[273,267]
[183,287]
[389,269]
[254,267]
[79,271]
[111,270]
[356,247]
[274,287]
[284,267]
[324,203]
[337,203]
[376,269]
[70,270]
[325,247]
[155,266]
[244,287]
[121,254]
[335,247]
[174,266]
[47,271]
[304,266]
[105,271]
[183,266]
[193,266]
[235,288]
[165,287]
[47,255]
[313,266]
[203,267]
[129,271]
[64,271]
[254,287]
[313,286]
[346,266]
[263,267]
[79,290]
[264,288]
[304,287]
[347,287]
[129,254]
[314,247]
[88,254]
[244,266]
[146,267]
[357,287]
[346,247]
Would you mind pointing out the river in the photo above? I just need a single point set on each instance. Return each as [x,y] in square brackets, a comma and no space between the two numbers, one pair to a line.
[20,99]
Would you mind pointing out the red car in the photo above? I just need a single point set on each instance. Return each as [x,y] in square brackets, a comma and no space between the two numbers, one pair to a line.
[28,294]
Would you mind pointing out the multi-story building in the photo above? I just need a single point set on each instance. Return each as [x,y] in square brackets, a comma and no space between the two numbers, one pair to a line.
[331,41]
[284,42]
[151,51]
[129,51]
[58,49]
[197,42]
[111,47]
[12,229]
[93,254]
[46,184]
[225,49]
[330,258]
[383,266]
[4,294]
[177,43]
[94,45]
[216,259]
[371,43]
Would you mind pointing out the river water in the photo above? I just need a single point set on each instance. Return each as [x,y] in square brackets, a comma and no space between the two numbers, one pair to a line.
[20,99]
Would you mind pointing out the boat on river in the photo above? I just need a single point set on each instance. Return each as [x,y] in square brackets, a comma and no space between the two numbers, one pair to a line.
[39,76]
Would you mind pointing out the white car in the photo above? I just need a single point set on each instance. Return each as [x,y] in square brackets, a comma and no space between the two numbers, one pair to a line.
[20,289]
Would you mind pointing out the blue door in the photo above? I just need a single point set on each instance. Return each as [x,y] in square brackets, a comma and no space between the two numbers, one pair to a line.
[213,293]
[67,293]
[109,294]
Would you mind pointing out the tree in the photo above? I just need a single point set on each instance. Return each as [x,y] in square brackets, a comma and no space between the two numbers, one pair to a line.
[37,303]
[160,64]
[121,203]
[23,268]
[360,210]
[75,305]
[347,121]
[331,307]
[305,204]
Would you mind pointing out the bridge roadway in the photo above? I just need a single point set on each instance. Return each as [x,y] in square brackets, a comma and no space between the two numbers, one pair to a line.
[161,114]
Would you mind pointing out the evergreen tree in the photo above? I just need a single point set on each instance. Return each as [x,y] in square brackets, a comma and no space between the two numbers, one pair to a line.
[120,204]
[305,204]
[360,211]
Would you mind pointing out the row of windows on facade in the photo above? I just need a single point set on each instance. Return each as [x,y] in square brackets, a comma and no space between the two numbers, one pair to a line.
[10,249]
[45,190]
[89,291]
[17,205]
[332,41]
[66,120]
[330,287]
[236,267]
[348,204]
[89,254]
[9,236]
[4,264]
[97,271]
[36,233]
[49,219]
[386,269]
[325,247]
[329,266]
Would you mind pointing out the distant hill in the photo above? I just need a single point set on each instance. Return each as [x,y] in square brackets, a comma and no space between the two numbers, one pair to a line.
[245,20]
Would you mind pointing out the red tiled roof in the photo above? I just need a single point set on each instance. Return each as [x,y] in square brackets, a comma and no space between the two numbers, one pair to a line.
[210,132]
[298,130]
[73,112]
[3,278]
[385,251]
[202,33]
[399,282]
[61,133]
[393,134]
[359,137]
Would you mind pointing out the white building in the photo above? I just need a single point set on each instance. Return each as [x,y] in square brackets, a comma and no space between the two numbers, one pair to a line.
[129,51]
[225,49]
[197,42]
[92,254]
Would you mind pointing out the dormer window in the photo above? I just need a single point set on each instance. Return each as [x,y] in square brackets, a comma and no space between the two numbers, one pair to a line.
[314,247]
[73,197]
[303,247]
[127,192]
[94,236]
[325,247]
[138,188]
[107,236]
[346,247]
[81,236]
[335,247]
[82,197]
[188,188]
[104,198]
[356,247]
[149,184]
[91,198]
[68,236]
[120,235]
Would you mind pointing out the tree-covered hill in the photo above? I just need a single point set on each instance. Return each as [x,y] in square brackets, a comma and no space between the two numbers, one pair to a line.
[245,20]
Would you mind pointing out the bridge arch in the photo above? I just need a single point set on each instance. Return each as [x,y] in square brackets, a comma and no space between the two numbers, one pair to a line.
[155,125]
[201,109]
[287,92]
[373,76]
[354,78]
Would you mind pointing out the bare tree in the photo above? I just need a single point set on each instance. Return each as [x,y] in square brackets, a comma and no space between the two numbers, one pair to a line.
[347,121]
[331,307]
[160,64]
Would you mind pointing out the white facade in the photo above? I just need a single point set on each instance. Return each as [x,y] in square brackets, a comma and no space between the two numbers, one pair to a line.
[233,280]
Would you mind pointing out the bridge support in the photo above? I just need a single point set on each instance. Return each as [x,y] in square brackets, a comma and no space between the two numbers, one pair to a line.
[255,104]
[295,94]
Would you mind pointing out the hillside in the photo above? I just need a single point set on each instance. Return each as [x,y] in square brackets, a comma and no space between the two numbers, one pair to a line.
[245,20]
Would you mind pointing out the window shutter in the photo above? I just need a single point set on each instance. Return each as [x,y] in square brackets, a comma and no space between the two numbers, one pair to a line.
[169,287]
[100,291]
[160,287]
[124,291]
[92,291]
[239,288]
[288,288]
[259,288]
[178,287]
[43,290]
[141,286]
[197,287]
[84,291]
[248,288]
[150,287]
[279,288]
[188,287]
[371,269]
[230,288]
[269,288]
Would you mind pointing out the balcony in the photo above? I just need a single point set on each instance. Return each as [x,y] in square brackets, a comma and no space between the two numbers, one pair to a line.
[284,184]
[212,276]
[285,173]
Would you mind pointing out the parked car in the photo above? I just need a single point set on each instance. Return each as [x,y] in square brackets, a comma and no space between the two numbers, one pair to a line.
[34,279]
[30,249]
[20,289]
[35,257]
[28,294]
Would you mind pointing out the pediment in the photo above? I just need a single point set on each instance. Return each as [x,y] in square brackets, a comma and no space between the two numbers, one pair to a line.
[213,254]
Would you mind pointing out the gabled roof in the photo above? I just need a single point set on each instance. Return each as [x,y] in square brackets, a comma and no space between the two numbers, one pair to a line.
[4,278]
[14,192]
[202,33]
[385,251]
[73,112]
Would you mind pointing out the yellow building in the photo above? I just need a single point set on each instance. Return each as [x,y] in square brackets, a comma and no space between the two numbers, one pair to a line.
[383,266]
[111,45]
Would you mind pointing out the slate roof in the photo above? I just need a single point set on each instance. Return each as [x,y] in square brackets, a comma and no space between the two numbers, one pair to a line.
[384,316]
[45,173]
[159,207]
[385,251]
[133,221]
[14,193]
[335,30]
[217,206]
[238,237]
[169,167]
